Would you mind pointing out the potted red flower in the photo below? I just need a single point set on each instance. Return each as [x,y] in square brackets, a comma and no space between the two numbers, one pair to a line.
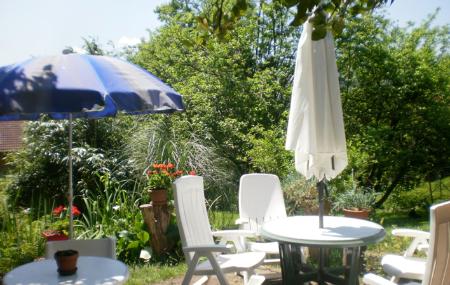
[159,179]
[59,229]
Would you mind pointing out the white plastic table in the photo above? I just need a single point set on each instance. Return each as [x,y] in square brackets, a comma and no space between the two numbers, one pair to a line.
[91,270]
[338,232]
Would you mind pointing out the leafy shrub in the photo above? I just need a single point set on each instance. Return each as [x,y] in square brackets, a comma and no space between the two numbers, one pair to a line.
[300,195]
[41,166]
[267,154]
[355,198]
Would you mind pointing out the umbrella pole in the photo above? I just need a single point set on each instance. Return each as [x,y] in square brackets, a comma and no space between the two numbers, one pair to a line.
[320,188]
[70,180]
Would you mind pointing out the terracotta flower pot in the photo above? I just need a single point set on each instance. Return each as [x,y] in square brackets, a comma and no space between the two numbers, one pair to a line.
[52,235]
[158,196]
[355,213]
[66,261]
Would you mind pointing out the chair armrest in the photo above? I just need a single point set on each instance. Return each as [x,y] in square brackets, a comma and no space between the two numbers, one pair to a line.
[241,221]
[411,233]
[207,248]
[236,237]
[372,279]
[420,240]
[234,233]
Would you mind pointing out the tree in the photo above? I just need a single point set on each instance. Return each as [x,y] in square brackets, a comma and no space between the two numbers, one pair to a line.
[396,102]
[231,84]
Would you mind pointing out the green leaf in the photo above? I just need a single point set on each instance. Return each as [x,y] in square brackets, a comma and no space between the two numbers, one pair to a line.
[143,236]
[319,18]
[300,17]
[290,3]
[319,32]
[202,23]
[134,244]
[337,24]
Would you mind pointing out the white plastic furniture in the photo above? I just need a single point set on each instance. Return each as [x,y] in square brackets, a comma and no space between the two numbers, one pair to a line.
[338,232]
[105,247]
[407,265]
[260,200]
[197,237]
[91,270]
[437,269]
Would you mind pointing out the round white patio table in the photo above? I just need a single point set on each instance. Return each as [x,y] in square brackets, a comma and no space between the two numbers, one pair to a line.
[338,232]
[91,270]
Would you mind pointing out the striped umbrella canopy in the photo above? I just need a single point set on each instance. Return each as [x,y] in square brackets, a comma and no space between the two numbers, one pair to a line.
[81,86]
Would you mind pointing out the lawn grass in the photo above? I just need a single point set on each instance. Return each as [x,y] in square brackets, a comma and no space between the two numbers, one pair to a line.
[150,274]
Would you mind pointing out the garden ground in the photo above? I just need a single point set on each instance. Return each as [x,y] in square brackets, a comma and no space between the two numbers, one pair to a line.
[272,274]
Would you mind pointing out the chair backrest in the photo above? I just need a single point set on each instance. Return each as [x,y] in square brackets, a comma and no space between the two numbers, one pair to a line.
[192,217]
[260,199]
[105,247]
[437,271]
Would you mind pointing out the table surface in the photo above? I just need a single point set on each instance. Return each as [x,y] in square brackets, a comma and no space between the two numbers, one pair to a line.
[337,231]
[91,270]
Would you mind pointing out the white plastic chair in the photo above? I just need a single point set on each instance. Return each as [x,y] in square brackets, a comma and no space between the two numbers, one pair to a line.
[407,265]
[197,238]
[260,200]
[105,247]
[437,269]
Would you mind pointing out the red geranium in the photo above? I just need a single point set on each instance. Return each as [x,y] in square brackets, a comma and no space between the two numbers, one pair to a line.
[160,175]
[58,211]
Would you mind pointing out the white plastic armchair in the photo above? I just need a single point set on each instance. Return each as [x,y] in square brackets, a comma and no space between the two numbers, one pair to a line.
[407,265]
[197,239]
[437,268]
[260,200]
[105,247]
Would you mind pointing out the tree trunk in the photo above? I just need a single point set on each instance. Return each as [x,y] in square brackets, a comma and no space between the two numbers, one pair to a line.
[157,219]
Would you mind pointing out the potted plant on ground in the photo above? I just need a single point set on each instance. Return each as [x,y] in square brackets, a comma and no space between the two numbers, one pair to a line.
[355,202]
[157,214]
[59,228]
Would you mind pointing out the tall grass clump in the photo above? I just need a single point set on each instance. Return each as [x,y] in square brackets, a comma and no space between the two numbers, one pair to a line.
[21,237]
[164,139]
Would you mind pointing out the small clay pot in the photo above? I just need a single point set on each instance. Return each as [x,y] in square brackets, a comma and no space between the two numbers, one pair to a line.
[66,261]
[158,196]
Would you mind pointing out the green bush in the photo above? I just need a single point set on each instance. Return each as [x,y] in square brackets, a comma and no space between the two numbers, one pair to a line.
[300,195]
[41,166]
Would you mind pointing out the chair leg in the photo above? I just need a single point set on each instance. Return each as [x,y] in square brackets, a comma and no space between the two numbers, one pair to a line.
[217,269]
[191,269]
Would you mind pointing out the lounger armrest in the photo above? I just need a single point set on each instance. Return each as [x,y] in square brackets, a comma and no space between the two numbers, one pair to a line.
[372,279]
[411,233]
[234,233]
[207,248]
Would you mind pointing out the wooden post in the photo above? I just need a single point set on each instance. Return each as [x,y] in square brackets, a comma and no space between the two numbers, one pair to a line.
[157,219]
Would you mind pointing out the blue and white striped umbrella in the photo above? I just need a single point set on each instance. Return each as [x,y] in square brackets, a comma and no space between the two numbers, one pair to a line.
[81,86]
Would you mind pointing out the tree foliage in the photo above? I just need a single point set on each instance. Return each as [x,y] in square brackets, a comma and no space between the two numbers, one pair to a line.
[236,86]
[230,84]
[395,89]
[218,17]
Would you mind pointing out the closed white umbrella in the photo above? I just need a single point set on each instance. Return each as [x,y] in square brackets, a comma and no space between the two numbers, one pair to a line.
[316,126]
